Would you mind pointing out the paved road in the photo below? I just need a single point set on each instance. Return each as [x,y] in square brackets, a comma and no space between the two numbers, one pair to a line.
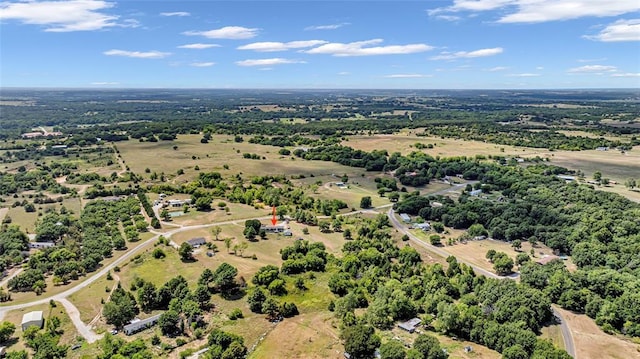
[566,332]
[567,336]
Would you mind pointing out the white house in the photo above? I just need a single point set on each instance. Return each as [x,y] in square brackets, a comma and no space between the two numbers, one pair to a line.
[32,319]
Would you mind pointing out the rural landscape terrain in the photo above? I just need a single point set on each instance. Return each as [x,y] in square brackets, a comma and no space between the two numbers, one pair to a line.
[320,224]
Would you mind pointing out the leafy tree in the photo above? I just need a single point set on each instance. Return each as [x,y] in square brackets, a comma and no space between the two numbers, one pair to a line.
[169,322]
[21,354]
[477,230]
[120,309]
[185,251]
[515,352]
[522,258]
[360,341]
[271,308]
[224,276]
[147,296]
[630,183]
[6,331]
[502,263]
[365,202]
[265,275]
[438,227]
[517,245]
[429,347]
[216,230]
[491,253]
[393,349]
[597,176]
[435,240]
[255,299]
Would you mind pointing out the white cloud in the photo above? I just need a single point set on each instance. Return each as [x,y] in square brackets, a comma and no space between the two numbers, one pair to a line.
[406,76]
[592,69]
[102,83]
[64,16]
[202,64]
[621,30]
[198,46]
[326,27]
[364,48]
[627,74]
[280,46]
[498,68]
[227,32]
[344,73]
[524,75]
[448,17]
[593,60]
[268,62]
[535,11]
[138,54]
[468,54]
[175,13]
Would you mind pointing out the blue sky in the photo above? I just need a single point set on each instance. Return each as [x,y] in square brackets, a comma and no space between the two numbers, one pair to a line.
[443,44]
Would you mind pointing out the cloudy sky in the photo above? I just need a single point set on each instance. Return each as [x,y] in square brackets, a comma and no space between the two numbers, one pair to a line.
[445,44]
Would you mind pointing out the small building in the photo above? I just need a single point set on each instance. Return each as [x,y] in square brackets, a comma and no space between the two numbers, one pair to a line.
[287,233]
[32,319]
[410,325]
[341,184]
[139,325]
[546,259]
[424,226]
[566,177]
[197,242]
[273,229]
[178,202]
[479,238]
[468,349]
[602,149]
[59,147]
[40,245]
[3,352]
[405,218]
[475,192]
[32,134]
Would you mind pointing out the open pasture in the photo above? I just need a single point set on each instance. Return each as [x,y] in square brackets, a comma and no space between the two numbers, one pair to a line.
[221,150]
[592,343]
[404,142]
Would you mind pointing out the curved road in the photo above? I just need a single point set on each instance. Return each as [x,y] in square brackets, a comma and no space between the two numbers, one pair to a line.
[566,332]
[83,329]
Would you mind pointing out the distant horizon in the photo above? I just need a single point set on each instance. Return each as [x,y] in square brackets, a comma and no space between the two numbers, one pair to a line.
[49,88]
[345,44]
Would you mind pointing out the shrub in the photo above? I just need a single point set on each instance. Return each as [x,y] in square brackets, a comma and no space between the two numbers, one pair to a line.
[236,313]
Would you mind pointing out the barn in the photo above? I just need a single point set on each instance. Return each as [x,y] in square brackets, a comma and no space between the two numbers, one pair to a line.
[32,319]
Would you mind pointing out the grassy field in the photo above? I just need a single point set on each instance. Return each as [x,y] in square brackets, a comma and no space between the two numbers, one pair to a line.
[553,333]
[220,151]
[404,142]
[592,343]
